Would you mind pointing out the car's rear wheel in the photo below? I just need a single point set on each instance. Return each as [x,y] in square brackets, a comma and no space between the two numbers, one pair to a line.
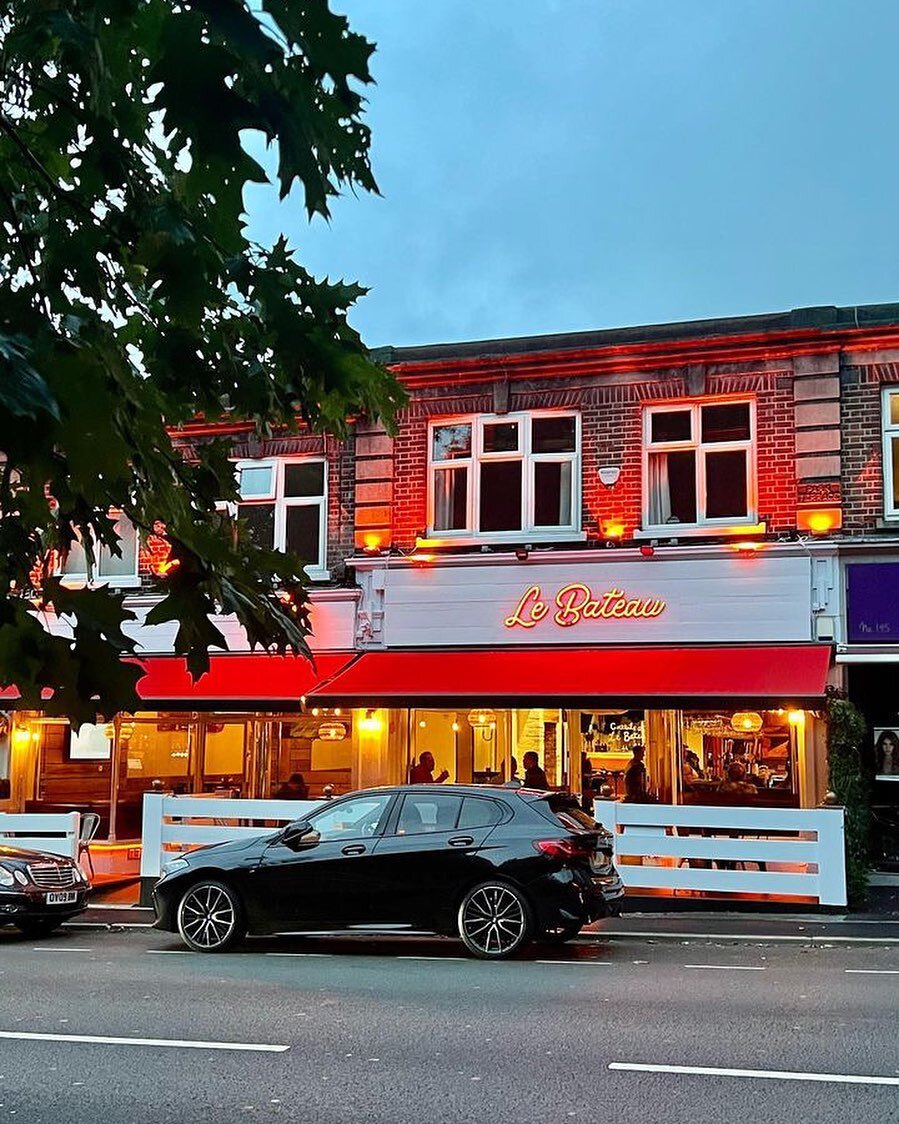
[210,917]
[495,920]
[559,934]
[36,927]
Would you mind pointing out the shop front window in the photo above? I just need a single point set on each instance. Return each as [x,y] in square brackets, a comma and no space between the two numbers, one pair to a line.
[224,751]
[747,757]
[317,749]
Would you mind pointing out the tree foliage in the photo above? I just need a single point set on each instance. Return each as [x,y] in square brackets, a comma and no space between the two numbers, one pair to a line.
[845,734]
[133,301]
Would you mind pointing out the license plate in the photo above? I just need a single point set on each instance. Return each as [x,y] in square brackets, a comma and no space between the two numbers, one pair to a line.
[62,897]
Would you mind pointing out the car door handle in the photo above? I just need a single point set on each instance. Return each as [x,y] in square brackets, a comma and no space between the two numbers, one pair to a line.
[461,841]
[354,849]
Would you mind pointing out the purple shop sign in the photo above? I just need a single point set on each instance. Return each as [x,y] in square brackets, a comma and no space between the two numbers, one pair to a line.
[873,602]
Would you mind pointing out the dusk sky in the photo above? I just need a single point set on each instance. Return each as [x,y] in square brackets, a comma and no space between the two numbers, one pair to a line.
[562,165]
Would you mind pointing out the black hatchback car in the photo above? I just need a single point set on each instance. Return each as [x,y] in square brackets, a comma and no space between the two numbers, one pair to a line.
[495,866]
[39,891]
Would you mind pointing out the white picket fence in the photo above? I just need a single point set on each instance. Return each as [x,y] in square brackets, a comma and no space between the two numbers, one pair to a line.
[781,851]
[56,832]
[172,824]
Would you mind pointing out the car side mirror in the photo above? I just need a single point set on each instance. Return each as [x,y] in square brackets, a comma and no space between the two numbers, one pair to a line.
[299,835]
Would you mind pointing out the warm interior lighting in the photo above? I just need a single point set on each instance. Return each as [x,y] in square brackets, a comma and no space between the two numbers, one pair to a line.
[612,529]
[315,712]
[21,736]
[748,547]
[332,732]
[747,722]
[337,710]
[794,717]
[166,566]
[371,723]
[480,718]
[422,725]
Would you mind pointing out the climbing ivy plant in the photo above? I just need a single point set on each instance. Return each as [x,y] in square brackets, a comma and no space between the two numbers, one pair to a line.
[845,733]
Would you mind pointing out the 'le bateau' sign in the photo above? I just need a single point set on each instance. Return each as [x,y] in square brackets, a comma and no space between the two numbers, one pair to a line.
[577,602]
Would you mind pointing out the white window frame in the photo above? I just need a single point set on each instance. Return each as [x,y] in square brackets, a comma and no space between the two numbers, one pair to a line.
[131,580]
[471,533]
[279,465]
[888,431]
[750,522]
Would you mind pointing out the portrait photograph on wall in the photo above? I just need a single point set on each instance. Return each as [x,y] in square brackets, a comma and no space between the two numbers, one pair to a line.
[886,754]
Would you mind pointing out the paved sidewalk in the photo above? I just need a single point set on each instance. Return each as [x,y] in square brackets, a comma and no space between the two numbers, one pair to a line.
[705,925]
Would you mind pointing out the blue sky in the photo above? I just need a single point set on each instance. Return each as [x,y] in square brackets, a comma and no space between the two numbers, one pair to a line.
[562,165]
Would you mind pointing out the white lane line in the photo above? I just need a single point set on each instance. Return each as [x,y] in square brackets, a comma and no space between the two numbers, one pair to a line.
[728,967]
[49,948]
[459,958]
[770,1074]
[105,1040]
[318,954]
[578,963]
[755,938]
[871,971]
[168,952]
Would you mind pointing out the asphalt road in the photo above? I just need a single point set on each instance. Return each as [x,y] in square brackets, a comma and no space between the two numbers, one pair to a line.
[405,1031]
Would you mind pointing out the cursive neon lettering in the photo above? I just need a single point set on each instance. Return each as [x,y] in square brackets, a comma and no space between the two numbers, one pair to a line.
[576,602]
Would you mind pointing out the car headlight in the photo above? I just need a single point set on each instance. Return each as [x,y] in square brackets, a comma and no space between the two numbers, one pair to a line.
[80,876]
[21,877]
[174,865]
[6,877]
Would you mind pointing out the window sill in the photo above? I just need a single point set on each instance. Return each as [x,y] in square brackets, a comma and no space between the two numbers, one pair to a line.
[77,581]
[705,531]
[512,538]
[318,575]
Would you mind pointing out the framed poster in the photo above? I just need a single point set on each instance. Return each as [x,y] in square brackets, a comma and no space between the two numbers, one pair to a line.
[886,754]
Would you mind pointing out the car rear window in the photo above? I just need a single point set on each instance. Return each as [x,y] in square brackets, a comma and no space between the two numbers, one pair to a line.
[565,809]
[477,812]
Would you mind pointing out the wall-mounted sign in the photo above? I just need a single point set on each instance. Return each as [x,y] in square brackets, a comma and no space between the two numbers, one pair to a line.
[601,599]
[577,602]
[873,602]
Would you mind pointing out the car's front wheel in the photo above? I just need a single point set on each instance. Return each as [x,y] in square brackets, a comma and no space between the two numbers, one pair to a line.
[494,920]
[210,917]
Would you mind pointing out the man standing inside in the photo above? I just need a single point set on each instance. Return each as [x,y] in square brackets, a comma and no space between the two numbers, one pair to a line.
[423,772]
[534,776]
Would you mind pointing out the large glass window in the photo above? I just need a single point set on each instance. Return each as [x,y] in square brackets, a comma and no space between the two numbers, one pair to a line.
[284,503]
[113,569]
[505,475]
[891,452]
[700,464]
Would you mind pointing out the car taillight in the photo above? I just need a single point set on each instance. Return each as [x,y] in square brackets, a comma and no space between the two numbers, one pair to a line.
[565,848]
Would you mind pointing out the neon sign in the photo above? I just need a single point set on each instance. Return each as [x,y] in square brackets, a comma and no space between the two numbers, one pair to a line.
[576,602]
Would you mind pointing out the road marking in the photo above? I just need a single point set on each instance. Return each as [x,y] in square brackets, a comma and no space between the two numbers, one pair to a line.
[104,1040]
[756,938]
[728,967]
[466,959]
[771,1074]
[168,952]
[324,954]
[872,971]
[49,948]
[578,963]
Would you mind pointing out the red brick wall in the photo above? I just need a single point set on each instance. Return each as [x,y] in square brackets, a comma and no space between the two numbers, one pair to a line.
[862,464]
[611,419]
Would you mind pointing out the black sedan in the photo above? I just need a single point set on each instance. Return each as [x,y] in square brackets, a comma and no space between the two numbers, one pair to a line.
[496,867]
[38,891]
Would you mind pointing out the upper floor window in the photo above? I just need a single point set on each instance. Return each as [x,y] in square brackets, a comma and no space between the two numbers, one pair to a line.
[699,466]
[285,505]
[112,569]
[891,452]
[504,475]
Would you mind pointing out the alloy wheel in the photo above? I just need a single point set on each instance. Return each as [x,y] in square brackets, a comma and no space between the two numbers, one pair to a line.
[493,920]
[208,917]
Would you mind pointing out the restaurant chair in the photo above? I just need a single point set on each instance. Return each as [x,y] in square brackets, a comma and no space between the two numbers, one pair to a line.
[90,822]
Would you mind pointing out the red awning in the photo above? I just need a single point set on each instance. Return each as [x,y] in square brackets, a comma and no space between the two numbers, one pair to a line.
[250,680]
[650,676]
